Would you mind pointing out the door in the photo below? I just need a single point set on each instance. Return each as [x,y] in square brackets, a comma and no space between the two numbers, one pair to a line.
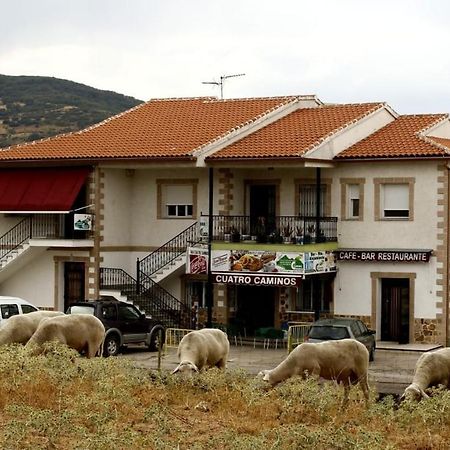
[74,283]
[263,207]
[255,308]
[395,310]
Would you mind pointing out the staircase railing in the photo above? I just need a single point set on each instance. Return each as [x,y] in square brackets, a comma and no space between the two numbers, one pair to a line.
[153,299]
[15,237]
[36,226]
[167,252]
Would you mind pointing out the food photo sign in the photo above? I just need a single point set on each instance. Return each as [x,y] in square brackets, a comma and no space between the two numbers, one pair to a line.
[268,268]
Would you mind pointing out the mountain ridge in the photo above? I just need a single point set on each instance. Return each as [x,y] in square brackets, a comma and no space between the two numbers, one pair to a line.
[37,107]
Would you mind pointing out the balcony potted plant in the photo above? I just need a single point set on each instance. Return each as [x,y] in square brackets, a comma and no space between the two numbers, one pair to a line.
[308,237]
[227,235]
[287,234]
[276,237]
[235,235]
[298,239]
[245,236]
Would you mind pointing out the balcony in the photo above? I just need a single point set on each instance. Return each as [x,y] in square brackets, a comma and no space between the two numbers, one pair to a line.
[299,230]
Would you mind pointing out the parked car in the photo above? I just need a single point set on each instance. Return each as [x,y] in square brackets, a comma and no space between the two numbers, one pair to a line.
[342,328]
[124,324]
[11,306]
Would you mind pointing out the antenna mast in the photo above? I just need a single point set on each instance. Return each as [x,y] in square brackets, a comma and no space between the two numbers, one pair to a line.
[222,79]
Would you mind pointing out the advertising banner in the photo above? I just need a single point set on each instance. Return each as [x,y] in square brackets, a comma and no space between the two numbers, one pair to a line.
[197,260]
[293,263]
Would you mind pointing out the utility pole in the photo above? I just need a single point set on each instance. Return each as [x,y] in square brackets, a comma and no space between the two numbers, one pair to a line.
[222,79]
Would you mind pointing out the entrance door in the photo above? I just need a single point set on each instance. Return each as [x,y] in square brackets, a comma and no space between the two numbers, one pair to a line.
[395,310]
[255,308]
[263,206]
[73,283]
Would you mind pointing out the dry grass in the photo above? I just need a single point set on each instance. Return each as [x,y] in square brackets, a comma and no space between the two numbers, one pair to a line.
[61,401]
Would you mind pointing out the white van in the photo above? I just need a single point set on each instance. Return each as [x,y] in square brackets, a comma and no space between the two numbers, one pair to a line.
[10,306]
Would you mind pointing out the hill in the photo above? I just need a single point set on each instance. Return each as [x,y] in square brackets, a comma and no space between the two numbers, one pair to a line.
[33,107]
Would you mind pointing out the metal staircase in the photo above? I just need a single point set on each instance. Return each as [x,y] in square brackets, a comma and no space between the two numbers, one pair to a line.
[145,291]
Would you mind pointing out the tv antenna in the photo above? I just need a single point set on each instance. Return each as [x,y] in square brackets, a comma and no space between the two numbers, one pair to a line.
[222,79]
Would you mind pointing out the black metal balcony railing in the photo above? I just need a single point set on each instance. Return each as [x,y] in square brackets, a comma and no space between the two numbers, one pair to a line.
[275,229]
[46,226]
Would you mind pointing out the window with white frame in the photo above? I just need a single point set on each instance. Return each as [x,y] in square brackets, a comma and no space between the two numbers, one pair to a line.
[395,200]
[177,200]
[353,201]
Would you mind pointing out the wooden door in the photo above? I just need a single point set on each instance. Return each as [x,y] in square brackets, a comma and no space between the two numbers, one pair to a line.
[395,310]
[74,283]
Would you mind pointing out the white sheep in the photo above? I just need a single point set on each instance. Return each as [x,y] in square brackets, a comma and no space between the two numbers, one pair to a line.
[345,361]
[432,369]
[203,348]
[20,328]
[81,332]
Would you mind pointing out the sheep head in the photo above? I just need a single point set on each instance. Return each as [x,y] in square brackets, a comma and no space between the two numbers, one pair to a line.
[186,367]
[414,392]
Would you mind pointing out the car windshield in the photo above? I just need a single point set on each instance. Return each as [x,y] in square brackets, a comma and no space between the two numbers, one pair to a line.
[81,309]
[327,332]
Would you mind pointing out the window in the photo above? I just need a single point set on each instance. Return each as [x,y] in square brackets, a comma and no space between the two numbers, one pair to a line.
[395,200]
[352,198]
[307,200]
[128,313]
[28,308]
[353,201]
[314,293]
[9,310]
[176,198]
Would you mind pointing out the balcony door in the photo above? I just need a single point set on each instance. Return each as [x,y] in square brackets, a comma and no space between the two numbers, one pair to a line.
[263,205]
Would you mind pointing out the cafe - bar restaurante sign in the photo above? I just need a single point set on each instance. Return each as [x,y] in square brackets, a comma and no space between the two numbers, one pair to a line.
[383,255]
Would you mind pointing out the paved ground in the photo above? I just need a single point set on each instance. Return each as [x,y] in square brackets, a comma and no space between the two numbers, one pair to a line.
[391,371]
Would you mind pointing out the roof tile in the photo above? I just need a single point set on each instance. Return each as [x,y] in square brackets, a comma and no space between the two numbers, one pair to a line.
[399,139]
[296,133]
[160,128]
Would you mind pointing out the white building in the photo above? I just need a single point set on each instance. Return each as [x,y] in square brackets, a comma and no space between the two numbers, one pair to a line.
[369,187]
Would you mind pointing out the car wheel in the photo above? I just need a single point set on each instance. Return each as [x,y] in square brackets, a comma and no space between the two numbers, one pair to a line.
[157,339]
[111,345]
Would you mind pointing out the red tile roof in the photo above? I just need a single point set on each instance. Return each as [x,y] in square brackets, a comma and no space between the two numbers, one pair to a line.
[441,141]
[160,128]
[296,133]
[404,137]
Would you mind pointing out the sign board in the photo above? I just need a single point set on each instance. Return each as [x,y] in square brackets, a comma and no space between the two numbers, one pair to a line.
[260,279]
[197,260]
[407,256]
[82,222]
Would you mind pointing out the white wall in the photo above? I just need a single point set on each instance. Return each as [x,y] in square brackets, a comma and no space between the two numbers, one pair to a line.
[353,287]
[421,233]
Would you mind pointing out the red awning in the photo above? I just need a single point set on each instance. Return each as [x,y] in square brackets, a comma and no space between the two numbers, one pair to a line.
[40,190]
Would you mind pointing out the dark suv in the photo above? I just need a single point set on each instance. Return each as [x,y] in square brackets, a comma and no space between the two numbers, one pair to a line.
[124,324]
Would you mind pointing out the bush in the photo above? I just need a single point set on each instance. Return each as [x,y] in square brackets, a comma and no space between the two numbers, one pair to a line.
[64,401]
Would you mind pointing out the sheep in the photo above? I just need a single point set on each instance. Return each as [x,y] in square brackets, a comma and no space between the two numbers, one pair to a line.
[432,369]
[81,332]
[203,348]
[345,361]
[20,328]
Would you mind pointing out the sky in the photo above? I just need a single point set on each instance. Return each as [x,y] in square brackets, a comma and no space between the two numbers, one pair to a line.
[343,51]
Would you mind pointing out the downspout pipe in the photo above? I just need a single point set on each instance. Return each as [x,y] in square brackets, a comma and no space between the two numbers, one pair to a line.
[209,283]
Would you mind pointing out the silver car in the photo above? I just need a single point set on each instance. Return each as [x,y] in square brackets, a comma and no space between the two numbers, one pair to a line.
[343,328]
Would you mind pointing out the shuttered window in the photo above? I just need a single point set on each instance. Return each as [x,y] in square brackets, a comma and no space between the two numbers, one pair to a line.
[395,200]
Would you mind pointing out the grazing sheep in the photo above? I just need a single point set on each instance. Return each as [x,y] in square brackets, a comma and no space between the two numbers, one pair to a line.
[345,361]
[208,347]
[432,369]
[19,328]
[81,332]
